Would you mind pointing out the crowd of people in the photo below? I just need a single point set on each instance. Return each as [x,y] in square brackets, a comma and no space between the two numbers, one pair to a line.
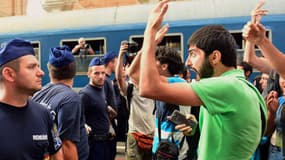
[237,119]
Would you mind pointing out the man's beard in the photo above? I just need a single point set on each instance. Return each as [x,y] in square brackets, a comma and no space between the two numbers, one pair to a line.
[206,69]
[98,83]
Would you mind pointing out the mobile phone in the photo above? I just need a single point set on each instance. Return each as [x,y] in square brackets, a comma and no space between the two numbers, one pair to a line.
[179,118]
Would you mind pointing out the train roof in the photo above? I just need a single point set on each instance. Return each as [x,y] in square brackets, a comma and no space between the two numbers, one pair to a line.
[133,14]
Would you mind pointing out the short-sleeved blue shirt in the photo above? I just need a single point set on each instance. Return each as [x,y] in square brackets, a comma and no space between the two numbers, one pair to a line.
[65,106]
[27,132]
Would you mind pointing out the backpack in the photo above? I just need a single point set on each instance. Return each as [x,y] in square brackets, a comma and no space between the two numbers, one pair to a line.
[166,150]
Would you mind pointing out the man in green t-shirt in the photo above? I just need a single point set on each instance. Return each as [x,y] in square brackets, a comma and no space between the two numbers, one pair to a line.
[231,108]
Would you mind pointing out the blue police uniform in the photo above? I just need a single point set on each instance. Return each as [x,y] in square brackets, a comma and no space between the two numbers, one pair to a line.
[95,109]
[28,132]
[64,104]
[111,98]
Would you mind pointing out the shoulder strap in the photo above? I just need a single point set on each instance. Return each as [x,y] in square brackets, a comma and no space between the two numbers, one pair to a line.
[154,108]
[158,123]
[159,118]
[130,89]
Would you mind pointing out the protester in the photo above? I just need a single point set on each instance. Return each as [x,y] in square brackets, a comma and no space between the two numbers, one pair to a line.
[141,118]
[64,103]
[254,32]
[276,149]
[27,130]
[212,51]
[169,64]
[259,62]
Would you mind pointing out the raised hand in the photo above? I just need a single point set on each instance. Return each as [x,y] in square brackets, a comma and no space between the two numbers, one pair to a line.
[156,15]
[257,13]
[254,31]
[272,102]
[160,34]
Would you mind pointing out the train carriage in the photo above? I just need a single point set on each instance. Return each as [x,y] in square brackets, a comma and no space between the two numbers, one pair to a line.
[105,28]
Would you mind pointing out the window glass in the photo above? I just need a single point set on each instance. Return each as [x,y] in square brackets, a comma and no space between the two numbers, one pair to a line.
[170,40]
[241,44]
[98,45]
[36,46]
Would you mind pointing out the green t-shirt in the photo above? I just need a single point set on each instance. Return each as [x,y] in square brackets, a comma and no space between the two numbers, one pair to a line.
[230,118]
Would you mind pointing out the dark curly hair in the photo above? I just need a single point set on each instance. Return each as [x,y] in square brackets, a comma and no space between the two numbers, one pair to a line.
[216,37]
[170,56]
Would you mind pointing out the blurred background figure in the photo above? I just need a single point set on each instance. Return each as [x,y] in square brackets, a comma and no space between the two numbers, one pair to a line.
[82,48]
[263,81]
[247,68]
[256,82]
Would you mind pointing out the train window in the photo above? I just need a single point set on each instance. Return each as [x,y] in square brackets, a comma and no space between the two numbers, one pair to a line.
[238,38]
[138,39]
[36,46]
[240,51]
[170,40]
[268,35]
[97,44]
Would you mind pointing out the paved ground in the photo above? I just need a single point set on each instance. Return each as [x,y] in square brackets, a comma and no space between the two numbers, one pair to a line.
[120,151]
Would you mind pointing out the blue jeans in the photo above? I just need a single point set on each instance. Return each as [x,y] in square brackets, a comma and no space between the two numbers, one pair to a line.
[275,153]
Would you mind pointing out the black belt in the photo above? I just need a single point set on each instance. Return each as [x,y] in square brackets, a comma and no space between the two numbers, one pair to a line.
[99,137]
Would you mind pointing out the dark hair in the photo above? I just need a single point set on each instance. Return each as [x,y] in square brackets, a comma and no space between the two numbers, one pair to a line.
[14,64]
[107,63]
[64,72]
[257,83]
[185,73]
[246,67]
[170,56]
[216,37]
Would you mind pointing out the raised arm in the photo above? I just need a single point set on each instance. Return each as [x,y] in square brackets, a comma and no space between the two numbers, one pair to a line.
[75,49]
[90,51]
[119,69]
[134,70]
[151,85]
[260,63]
[274,56]
[272,106]
[254,32]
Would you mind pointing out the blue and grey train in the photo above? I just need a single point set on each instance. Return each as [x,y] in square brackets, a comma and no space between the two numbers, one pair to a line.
[105,28]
